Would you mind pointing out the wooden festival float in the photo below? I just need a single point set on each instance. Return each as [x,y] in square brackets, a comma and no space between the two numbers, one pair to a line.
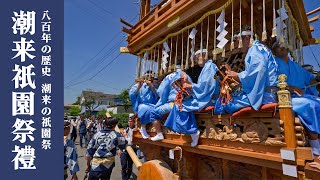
[267,144]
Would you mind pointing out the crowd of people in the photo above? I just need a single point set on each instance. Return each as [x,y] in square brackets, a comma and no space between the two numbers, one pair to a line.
[258,81]
[103,141]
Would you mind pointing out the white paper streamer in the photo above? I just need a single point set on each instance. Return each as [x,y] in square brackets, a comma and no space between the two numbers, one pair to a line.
[221,29]
[165,55]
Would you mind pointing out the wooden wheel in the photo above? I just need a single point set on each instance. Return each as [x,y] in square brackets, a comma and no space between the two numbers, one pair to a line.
[156,170]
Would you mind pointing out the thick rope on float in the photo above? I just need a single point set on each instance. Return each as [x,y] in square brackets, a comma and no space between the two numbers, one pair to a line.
[189,26]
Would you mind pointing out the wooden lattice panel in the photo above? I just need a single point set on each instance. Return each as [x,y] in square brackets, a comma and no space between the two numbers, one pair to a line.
[234,59]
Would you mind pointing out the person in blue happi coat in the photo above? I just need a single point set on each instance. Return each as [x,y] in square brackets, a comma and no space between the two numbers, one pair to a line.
[167,95]
[143,96]
[70,154]
[82,128]
[204,93]
[305,102]
[102,150]
[258,80]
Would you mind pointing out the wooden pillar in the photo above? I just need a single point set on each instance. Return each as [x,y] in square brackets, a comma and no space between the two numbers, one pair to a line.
[144,8]
[147,7]
[286,114]
[189,166]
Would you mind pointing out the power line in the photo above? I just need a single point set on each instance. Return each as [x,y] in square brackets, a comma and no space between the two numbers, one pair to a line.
[314,56]
[74,2]
[96,73]
[92,67]
[104,84]
[77,83]
[95,4]
[106,66]
[95,65]
[114,37]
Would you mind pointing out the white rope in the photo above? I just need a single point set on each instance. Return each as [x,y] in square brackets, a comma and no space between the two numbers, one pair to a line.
[215,37]
[175,61]
[232,40]
[251,38]
[170,66]
[240,38]
[274,28]
[182,68]
[208,32]
[187,59]
[264,32]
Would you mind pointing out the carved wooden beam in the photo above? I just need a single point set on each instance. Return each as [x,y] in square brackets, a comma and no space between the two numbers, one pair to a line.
[311,28]
[144,8]
[124,50]
[314,19]
[128,31]
[313,11]
[126,23]
[185,9]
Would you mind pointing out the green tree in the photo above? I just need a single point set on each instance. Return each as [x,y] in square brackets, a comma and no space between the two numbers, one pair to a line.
[102,113]
[78,102]
[124,96]
[123,119]
[74,111]
[91,100]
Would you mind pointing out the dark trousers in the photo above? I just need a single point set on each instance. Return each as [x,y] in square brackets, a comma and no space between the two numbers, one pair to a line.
[73,137]
[126,165]
[100,175]
[83,135]
[73,134]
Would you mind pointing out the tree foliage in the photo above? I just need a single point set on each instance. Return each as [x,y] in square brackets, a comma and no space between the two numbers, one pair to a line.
[102,113]
[74,111]
[124,96]
[122,117]
[78,102]
[91,100]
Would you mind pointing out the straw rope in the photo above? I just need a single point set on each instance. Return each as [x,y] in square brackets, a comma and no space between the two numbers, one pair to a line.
[215,11]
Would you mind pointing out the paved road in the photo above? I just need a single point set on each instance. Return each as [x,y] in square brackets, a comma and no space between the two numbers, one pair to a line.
[116,173]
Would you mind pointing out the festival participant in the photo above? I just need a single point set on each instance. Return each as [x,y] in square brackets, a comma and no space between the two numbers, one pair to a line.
[70,154]
[126,161]
[99,123]
[167,95]
[194,72]
[306,106]
[204,93]
[74,124]
[143,96]
[91,128]
[258,80]
[206,90]
[82,128]
[102,149]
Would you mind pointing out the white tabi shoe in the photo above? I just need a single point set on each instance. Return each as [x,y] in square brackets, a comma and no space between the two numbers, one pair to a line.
[315,145]
[158,137]
[144,133]
[195,138]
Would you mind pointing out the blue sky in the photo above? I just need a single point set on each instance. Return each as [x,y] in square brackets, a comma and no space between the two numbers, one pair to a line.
[92,40]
